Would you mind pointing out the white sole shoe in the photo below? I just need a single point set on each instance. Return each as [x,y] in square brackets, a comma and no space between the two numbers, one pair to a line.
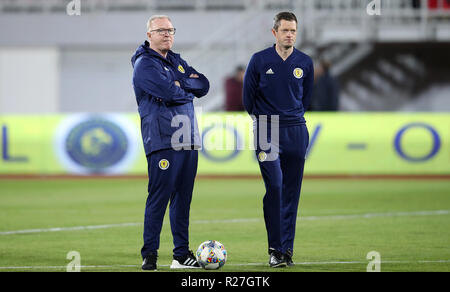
[176,265]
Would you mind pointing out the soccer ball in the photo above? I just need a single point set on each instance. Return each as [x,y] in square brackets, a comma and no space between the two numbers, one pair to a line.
[211,255]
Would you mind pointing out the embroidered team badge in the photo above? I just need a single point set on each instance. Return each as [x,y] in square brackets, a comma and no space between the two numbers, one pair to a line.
[181,69]
[262,156]
[298,73]
[164,164]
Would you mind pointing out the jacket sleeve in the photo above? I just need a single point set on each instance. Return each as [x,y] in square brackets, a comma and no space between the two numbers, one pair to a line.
[197,86]
[250,86]
[153,81]
[308,85]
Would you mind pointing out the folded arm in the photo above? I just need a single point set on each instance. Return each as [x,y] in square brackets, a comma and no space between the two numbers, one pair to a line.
[196,83]
[150,79]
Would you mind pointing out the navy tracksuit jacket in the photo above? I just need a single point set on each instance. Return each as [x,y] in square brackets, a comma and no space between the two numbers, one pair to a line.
[164,109]
[282,88]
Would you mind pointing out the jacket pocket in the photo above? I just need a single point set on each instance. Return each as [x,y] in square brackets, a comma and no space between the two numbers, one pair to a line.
[182,121]
[149,128]
[165,124]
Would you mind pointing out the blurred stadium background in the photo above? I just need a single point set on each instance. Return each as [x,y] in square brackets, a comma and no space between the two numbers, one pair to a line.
[397,61]
[67,107]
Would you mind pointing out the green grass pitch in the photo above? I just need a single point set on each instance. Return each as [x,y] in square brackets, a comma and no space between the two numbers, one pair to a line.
[340,222]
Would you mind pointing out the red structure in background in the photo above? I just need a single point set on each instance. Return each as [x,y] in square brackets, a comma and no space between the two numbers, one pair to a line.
[436,4]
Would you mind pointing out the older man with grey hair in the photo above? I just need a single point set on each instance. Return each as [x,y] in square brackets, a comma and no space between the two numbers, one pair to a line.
[165,86]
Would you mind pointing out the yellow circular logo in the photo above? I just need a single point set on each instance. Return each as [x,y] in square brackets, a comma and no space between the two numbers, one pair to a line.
[164,164]
[262,156]
[298,73]
[181,69]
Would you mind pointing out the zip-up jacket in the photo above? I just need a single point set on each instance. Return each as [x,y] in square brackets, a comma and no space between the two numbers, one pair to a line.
[159,99]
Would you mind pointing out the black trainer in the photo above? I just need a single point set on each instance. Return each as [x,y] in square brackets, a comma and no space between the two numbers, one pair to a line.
[149,263]
[185,262]
[276,259]
[288,256]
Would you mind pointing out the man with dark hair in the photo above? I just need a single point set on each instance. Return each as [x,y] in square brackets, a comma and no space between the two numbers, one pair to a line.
[288,16]
[326,89]
[233,90]
[278,85]
[165,86]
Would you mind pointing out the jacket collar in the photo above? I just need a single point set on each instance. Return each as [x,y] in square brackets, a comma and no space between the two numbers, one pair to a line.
[145,49]
[170,54]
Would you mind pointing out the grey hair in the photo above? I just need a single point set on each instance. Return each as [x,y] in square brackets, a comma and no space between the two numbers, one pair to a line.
[149,22]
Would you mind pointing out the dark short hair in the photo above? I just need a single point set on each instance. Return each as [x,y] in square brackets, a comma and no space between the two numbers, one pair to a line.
[239,68]
[288,16]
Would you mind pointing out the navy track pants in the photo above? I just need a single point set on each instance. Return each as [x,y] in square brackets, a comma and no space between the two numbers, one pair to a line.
[171,178]
[283,180]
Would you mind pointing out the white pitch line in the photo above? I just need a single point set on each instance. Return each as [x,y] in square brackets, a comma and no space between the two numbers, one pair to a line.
[375,215]
[238,220]
[56,229]
[243,264]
